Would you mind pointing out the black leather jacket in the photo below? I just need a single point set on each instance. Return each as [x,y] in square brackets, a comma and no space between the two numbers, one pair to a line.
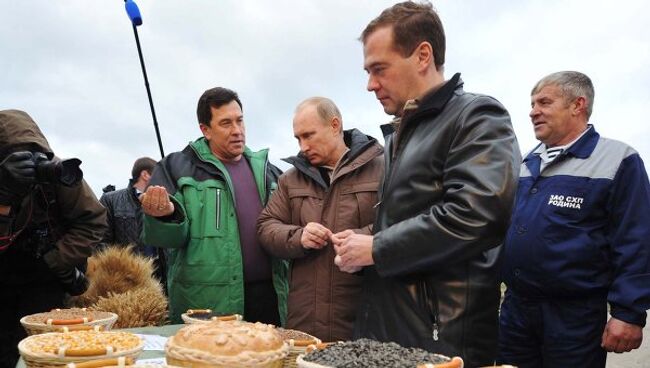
[124,218]
[444,208]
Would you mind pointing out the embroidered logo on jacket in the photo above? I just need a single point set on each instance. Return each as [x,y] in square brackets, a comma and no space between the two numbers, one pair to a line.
[558,200]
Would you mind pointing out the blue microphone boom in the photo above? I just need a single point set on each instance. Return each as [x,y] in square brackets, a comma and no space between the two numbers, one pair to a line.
[136,20]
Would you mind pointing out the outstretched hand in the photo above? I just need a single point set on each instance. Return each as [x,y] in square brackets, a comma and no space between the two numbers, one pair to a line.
[155,202]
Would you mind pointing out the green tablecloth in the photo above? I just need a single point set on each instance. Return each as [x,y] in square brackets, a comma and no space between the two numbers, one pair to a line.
[146,354]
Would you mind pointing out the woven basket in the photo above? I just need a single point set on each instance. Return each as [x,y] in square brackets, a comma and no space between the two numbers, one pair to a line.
[187,349]
[298,342]
[83,319]
[65,356]
[188,319]
[194,364]
[120,362]
[187,358]
[455,362]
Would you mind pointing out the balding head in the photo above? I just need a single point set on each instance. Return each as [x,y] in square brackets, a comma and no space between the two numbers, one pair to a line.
[318,127]
[325,108]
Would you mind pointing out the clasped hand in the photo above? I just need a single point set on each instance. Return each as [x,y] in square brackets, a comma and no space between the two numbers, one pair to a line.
[353,251]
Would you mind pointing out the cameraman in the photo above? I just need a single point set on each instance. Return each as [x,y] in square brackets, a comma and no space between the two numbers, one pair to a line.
[49,222]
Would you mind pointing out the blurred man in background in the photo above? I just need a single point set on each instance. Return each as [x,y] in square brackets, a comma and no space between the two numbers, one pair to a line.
[124,214]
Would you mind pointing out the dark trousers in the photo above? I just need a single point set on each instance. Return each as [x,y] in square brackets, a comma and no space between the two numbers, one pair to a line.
[17,301]
[261,302]
[552,333]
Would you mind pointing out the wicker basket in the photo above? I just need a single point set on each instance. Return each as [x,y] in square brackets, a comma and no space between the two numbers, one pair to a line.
[182,357]
[238,344]
[189,317]
[455,362]
[64,356]
[120,362]
[194,364]
[82,319]
[298,342]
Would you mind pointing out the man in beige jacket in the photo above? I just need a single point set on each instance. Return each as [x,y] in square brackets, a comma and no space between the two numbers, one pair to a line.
[332,186]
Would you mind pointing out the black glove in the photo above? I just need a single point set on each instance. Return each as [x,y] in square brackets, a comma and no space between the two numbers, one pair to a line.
[74,281]
[17,173]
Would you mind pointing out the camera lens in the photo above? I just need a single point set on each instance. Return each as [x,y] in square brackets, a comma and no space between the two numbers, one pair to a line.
[66,172]
[45,171]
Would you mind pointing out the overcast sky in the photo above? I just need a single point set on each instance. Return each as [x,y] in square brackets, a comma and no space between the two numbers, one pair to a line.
[73,66]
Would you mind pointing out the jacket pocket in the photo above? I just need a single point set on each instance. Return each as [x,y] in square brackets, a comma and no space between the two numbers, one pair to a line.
[358,202]
[427,303]
[567,204]
[306,206]
[206,205]
[205,274]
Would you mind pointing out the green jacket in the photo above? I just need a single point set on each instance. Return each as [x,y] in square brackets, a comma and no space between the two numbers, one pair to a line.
[205,261]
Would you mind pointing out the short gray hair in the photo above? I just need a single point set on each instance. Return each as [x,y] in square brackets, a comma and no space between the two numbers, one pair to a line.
[573,85]
[325,108]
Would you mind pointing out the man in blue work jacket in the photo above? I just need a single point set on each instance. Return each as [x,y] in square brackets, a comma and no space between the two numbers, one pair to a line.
[579,239]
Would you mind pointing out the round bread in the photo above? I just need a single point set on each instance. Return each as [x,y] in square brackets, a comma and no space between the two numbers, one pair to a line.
[227,344]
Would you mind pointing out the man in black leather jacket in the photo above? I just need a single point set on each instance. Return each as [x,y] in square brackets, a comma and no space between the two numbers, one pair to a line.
[452,162]
[124,215]
[124,211]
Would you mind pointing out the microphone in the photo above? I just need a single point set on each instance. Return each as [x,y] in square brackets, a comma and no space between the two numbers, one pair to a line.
[133,12]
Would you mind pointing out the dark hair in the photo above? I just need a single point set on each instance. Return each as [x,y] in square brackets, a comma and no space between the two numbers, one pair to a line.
[214,97]
[143,163]
[412,24]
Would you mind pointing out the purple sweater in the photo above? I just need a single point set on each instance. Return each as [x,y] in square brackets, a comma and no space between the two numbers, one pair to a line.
[257,265]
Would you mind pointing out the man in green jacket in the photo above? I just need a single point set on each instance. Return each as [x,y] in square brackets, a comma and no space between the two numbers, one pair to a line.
[202,205]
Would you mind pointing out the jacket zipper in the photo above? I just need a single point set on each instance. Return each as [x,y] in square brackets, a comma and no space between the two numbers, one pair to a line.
[429,301]
[435,331]
[267,190]
[434,316]
[218,208]
[392,164]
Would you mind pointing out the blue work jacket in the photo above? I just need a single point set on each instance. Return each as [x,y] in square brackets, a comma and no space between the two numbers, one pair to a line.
[581,228]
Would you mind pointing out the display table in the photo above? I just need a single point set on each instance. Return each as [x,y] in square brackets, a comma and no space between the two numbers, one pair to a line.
[166,331]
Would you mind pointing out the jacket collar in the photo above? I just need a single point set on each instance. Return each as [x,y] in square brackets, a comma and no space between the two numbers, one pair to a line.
[585,146]
[431,103]
[354,139]
[203,156]
[582,148]
[133,193]
[202,150]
